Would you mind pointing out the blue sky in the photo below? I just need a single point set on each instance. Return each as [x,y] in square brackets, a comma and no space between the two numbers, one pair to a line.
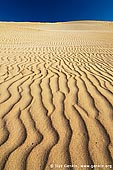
[56,10]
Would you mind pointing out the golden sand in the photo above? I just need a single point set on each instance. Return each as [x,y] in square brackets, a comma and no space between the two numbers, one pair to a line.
[56,95]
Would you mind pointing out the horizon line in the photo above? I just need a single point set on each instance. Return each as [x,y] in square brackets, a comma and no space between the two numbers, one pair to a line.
[57,21]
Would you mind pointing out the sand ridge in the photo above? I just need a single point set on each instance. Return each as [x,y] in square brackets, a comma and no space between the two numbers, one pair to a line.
[56,95]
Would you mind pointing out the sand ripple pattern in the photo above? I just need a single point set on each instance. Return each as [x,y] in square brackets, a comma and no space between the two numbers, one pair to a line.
[56,98]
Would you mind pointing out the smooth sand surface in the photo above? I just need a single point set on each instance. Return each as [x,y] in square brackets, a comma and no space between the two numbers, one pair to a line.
[56,95]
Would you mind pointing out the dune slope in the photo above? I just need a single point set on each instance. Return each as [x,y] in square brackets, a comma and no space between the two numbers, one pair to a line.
[56,95]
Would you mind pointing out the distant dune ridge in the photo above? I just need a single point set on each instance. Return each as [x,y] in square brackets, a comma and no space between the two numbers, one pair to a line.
[56,95]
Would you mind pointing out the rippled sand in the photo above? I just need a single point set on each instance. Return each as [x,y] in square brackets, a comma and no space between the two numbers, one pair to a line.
[56,95]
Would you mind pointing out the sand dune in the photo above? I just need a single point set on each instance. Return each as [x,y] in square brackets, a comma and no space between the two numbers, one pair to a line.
[56,95]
